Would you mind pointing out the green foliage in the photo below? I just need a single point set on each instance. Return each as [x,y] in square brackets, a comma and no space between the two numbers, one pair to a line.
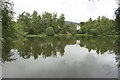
[98,27]
[19,30]
[37,24]
[24,22]
[8,30]
[117,20]
[50,31]
[94,32]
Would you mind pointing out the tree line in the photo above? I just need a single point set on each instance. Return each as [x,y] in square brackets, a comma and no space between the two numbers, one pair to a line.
[47,23]
[100,26]
[50,24]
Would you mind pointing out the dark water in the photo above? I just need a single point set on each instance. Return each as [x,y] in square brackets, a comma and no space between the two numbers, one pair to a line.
[61,57]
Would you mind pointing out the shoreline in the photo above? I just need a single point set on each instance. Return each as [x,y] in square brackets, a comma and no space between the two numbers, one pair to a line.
[77,35]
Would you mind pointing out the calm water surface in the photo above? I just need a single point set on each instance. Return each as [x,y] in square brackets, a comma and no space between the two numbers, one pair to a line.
[61,57]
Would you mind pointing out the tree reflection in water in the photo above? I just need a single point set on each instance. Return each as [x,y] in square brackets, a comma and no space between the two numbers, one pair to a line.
[51,46]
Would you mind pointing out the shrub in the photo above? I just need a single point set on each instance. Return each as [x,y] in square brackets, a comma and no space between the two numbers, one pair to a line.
[50,31]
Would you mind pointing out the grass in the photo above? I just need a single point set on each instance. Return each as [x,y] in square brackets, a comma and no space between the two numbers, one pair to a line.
[109,35]
[44,35]
[83,35]
[60,35]
[40,35]
[112,35]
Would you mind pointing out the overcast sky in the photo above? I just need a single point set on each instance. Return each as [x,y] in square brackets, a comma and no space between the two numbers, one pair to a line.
[74,10]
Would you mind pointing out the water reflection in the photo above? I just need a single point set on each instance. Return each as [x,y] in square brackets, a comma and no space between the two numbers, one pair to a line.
[7,45]
[61,57]
[100,44]
[49,46]
[45,47]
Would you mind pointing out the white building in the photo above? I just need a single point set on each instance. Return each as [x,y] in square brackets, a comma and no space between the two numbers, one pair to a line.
[77,27]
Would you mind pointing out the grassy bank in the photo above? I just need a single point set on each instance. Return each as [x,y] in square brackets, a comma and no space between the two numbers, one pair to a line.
[40,35]
[44,35]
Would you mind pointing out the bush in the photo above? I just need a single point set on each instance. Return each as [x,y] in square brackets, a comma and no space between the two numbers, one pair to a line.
[94,32]
[50,31]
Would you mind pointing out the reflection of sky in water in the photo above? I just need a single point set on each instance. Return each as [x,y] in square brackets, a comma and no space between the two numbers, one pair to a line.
[76,62]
